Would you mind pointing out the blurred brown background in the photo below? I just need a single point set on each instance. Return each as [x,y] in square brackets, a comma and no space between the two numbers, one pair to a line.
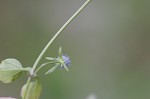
[109,45]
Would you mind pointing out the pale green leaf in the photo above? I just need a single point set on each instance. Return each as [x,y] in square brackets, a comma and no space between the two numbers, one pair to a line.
[50,58]
[60,51]
[66,68]
[52,69]
[10,70]
[34,90]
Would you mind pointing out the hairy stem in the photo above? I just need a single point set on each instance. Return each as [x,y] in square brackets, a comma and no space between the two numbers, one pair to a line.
[56,35]
[51,41]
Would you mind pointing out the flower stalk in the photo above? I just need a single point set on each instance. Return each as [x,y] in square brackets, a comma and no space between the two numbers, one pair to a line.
[33,70]
[56,35]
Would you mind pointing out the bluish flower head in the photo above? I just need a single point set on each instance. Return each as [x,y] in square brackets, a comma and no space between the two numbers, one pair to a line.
[62,61]
[66,59]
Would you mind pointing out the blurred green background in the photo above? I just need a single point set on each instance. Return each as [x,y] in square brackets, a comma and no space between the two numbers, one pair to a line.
[109,45]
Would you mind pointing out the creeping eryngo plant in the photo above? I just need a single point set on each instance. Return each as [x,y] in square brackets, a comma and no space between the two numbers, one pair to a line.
[11,69]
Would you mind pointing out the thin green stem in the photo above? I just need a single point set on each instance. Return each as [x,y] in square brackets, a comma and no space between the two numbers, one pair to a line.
[56,35]
[51,41]
[40,67]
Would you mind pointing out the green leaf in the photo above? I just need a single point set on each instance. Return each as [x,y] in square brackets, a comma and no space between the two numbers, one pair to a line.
[50,58]
[66,68]
[52,69]
[10,70]
[34,90]
[60,52]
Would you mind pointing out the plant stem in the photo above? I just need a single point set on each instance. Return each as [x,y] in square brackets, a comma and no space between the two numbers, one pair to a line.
[43,66]
[51,41]
[56,35]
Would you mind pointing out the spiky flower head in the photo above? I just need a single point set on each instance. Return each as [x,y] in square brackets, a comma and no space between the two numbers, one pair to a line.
[67,60]
[62,61]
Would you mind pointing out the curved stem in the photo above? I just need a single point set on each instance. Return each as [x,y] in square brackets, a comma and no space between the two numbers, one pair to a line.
[43,66]
[51,41]
[56,35]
